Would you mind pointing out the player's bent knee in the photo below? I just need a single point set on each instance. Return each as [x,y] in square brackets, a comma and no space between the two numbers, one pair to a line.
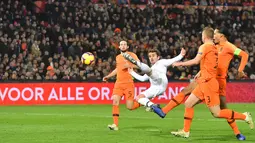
[188,105]
[216,114]
[129,107]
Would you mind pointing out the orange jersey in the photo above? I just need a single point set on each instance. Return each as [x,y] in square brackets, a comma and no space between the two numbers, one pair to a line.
[225,54]
[123,75]
[208,63]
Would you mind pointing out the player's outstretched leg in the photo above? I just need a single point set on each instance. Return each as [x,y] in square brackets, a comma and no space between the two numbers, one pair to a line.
[231,122]
[178,99]
[143,67]
[230,114]
[129,58]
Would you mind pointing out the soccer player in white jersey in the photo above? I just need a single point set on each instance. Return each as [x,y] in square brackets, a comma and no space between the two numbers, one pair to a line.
[156,74]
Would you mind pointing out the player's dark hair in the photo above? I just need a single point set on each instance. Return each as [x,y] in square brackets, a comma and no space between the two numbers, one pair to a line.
[223,30]
[154,51]
[209,32]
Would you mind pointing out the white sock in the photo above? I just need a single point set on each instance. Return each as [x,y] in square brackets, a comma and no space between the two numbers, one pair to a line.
[145,102]
[145,68]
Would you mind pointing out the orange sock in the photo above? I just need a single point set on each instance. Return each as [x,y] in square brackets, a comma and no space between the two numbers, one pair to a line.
[188,116]
[115,114]
[233,125]
[229,114]
[174,102]
[135,105]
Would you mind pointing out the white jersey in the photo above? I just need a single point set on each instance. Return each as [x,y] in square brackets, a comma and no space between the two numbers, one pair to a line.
[157,78]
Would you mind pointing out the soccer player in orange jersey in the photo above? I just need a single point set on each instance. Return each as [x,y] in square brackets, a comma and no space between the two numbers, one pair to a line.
[226,51]
[208,87]
[124,85]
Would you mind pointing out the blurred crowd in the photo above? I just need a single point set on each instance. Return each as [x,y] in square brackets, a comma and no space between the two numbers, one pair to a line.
[46,42]
[183,2]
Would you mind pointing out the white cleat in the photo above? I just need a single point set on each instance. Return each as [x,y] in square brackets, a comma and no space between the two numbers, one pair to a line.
[248,119]
[180,133]
[113,127]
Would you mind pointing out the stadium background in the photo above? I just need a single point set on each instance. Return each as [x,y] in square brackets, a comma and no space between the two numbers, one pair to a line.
[40,47]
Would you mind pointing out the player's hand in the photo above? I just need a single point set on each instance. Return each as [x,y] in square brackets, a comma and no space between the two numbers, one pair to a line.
[105,78]
[241,75]
[130,70]
[177,64]
[183,52]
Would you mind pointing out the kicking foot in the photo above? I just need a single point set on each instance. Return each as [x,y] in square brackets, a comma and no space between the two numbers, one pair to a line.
[180,133]
[113,127]
[156,109]
[129,58]
[248,119]
[148,109]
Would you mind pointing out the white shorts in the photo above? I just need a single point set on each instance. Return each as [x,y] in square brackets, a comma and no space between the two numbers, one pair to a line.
[153,91]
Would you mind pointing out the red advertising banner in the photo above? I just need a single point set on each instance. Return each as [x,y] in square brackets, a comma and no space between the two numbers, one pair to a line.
[99,93]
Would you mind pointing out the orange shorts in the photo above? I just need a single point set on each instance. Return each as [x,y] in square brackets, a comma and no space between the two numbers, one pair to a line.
[208,91]
[222,86]
[124,89]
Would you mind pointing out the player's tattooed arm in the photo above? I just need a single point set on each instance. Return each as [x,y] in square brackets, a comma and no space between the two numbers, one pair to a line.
[168,62]
[194,61]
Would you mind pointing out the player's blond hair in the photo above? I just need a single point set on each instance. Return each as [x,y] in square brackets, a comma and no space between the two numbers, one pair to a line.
[209,32]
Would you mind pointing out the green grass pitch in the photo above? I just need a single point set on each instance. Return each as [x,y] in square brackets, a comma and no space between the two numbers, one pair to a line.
[88,124]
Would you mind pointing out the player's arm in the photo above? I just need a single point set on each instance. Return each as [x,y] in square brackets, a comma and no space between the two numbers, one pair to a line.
[113,73]
[137,76]
[244,58]
[194,61]
[168,62]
